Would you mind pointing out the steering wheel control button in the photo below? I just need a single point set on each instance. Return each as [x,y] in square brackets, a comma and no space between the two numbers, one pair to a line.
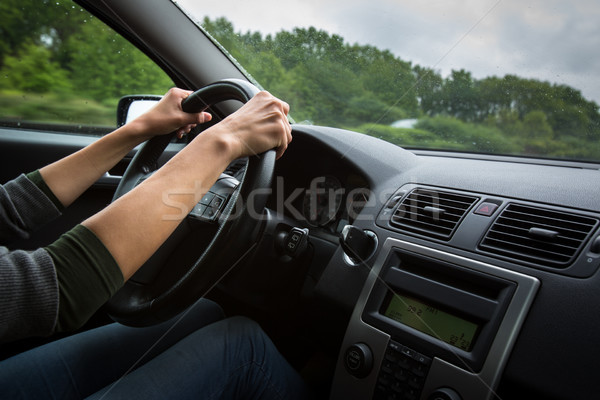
[210,213]
[402,374]
[198,210]
[209,207]
[358,360]
[486,209]
[217,202]
[207,198]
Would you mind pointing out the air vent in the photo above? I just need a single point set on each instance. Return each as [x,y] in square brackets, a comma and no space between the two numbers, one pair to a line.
[538,235]
[431,212]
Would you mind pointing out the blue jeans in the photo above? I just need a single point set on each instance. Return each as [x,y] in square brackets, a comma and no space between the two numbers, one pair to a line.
[181,359]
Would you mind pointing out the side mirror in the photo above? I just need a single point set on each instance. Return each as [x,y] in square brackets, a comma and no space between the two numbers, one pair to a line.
[130,107]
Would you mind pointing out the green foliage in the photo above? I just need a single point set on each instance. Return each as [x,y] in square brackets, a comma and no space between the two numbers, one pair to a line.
[445,133]
[36,21]
[32,70]
[461,135]
[59,64]
[367,107]
[405,137]
[52,108]
[536,126]
[325,80]
[109,67]
[329,82]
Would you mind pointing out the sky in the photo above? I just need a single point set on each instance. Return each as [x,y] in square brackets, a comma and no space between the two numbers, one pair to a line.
[549,40]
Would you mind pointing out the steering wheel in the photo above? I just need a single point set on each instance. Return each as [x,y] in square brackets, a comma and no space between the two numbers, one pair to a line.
[209,241]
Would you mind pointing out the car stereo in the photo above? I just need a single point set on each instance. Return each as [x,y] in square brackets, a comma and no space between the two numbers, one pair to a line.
[431,325]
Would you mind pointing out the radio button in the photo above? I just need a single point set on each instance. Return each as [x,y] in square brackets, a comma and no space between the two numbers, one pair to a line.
[395,346]
[391,357]
[421,359]
[358,360]
[420,370]
[408,352]
[402,373]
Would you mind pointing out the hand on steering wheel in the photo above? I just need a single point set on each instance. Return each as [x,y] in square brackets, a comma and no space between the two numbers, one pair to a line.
[181,271]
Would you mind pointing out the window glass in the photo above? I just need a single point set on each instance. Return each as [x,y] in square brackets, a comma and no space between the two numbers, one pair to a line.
[62,69]
[506,77]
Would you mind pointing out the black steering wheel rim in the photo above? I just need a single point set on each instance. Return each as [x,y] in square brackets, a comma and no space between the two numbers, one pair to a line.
[139,304]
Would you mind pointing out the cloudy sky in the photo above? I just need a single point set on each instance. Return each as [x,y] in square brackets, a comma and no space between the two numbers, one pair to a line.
[551,40]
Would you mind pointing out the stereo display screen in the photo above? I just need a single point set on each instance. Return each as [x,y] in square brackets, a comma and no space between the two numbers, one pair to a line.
[430,320]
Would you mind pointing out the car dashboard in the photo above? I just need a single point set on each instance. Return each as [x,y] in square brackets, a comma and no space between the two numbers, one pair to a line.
[483,280]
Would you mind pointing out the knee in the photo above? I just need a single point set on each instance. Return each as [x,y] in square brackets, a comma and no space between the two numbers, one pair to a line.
[250,338]
[247,328]
[204,312]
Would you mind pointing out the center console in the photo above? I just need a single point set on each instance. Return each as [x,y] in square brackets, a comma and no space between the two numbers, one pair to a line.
[431,325]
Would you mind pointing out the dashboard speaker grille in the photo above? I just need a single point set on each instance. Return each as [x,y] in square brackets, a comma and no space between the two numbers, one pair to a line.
[538,235]
[431,212]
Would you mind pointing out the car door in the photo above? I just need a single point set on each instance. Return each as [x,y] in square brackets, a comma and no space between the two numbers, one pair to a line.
[64,72]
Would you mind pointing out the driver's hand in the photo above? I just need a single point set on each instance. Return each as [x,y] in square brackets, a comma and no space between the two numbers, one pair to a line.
[167,116]
[259,125]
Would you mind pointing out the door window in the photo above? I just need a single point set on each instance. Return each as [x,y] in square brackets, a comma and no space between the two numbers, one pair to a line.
[61,69]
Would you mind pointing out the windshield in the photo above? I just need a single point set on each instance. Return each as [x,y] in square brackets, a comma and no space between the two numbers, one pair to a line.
[500,77]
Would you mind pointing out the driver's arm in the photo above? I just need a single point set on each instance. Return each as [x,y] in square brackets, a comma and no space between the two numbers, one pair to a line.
[94,258]
[133,227]
[83,268]
[69,177]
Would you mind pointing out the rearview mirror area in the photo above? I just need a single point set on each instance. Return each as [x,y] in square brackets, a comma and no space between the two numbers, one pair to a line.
[132,106]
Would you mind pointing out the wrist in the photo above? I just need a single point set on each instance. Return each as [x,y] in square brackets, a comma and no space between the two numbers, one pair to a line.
[135,131]
[222,142]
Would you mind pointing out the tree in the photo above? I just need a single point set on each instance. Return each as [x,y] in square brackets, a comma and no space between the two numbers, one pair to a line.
[536,126]
[429,86]
[109,67]
[391,80]
[21,22]
[326,87]
[32,70]
[460,97]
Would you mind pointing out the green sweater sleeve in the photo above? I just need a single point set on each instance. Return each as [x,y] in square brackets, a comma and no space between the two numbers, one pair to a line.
[37,179]
[87,274]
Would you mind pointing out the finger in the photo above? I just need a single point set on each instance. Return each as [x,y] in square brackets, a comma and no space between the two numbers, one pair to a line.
[280,150]
[288,128]
[178,93]
[289,133]
[184,130]
[196,119]
[287,138]
[286,107]
[184,92]
[204,117]
[199,118]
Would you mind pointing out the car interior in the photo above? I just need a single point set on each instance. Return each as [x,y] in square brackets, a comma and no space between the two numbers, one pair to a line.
[380,272]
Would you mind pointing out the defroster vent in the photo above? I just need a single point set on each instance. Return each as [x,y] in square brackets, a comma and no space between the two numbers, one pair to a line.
[431,212]
[538,235]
